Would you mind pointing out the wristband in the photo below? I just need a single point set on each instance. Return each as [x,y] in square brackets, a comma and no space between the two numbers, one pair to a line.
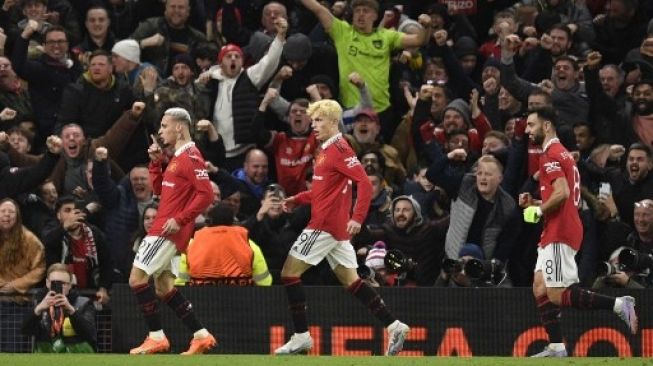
[532,214]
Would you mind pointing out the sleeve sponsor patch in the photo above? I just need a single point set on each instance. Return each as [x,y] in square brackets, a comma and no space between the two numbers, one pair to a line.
[552,166]
[352,161]
[201,174]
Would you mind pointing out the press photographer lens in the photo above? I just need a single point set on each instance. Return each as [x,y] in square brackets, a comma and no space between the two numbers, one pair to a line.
[633,260]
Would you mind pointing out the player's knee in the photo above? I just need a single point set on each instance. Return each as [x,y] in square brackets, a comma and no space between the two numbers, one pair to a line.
[137,278]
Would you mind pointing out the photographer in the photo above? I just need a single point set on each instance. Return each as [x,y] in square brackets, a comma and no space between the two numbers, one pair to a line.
[631,266]
[79,245]
[62,321]
[472,270]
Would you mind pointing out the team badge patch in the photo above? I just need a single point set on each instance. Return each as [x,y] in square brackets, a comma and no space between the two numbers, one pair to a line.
[377,44]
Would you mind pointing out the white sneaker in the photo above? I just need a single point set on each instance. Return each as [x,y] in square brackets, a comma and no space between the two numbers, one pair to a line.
[627,313]
[397,333]
[550,352]
[298,343]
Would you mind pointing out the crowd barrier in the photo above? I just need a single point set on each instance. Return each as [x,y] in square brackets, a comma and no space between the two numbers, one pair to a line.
[462,322]
[444,322]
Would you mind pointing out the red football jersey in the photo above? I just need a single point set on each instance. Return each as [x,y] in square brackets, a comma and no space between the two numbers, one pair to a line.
[293,157]
[563,225]
[334,169]
[185,193]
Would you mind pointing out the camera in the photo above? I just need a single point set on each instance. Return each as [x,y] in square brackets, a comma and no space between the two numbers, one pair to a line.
[605,269]
[450,266]
[397,262]
[636,261]
[484,270]
[56,286]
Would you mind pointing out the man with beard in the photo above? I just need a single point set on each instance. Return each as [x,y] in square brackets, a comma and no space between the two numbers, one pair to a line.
[556,42]
[555,284]
[14,95]
[366,137]
[567,93]
[418,239]
[636,184]
[642,120]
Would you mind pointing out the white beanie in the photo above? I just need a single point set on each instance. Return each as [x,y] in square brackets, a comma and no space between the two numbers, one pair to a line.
[128,49]
[376,256]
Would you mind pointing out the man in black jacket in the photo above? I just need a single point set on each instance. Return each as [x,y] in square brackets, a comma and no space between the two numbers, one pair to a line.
[57,304]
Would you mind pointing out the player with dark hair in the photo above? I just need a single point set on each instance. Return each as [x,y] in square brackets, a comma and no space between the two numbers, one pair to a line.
[185,192]
[555,285]
[327,234]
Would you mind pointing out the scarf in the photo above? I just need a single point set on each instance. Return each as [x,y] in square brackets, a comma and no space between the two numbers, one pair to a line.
[84,257]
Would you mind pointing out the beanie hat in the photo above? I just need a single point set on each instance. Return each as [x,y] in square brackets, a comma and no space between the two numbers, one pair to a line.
[326,80]
[471,250]
[128,49]
[229,48]
[465,46]
[183,58]
[462,108]
[492,62]
[297,48]
[376,256]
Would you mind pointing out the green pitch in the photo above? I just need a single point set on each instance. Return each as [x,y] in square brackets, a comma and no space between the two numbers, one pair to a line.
[247,360]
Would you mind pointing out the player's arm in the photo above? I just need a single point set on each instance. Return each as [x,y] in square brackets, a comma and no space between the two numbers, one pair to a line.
[323,14]
[352,169]
[558,196]
[203,196]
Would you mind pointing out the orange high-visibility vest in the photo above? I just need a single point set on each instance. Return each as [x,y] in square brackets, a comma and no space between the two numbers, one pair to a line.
[220,252]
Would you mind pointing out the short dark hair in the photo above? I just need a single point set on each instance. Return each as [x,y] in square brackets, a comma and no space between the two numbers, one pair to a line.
[370,3]
[542,93]
[65,200]
[547,114]
[499,136]
[643,147]
[54,28]
[221,214]
[567,58]
[29,135]
[562,27]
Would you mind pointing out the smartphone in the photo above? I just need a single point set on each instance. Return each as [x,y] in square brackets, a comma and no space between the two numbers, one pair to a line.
[56,286]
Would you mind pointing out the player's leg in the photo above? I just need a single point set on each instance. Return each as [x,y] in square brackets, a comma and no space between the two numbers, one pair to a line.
[563,289]
[550,317]
[147,261]
[165,288]
[308,250]
[343,262]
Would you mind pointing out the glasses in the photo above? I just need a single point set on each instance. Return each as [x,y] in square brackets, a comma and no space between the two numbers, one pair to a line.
[58,42]
[644,204]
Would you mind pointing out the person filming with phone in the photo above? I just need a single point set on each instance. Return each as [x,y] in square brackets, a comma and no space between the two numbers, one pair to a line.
[62,320]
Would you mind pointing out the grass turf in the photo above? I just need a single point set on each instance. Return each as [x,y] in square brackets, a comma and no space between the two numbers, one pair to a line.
[250,360]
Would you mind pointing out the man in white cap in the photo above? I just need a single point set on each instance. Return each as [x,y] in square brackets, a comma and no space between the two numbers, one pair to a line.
[126,58]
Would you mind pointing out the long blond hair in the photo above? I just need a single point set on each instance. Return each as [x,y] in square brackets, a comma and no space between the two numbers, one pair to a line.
[11,243]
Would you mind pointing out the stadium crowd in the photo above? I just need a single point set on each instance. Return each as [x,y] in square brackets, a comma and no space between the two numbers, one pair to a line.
[434,93]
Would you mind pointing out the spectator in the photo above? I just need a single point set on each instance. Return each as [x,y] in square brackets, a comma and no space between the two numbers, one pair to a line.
[38,209]
[15,181]
[98,34]
[293,151]
[379,211]
[374,55]
[14,96]
[20,140]
[418,239]
[234,94]
[162,38]
[21,252]
[123,204]
[144,223]
[127,65]
[81,246]
[252,180]
[481,212]
[47,75]
[621,30]
[69,174]
[223,255]
[97,100]
[366,136]
[274,230]
[62,320]
[22,266]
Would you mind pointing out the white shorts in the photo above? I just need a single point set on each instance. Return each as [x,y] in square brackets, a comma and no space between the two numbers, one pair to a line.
[312,246]
[558,265]
[155,255]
